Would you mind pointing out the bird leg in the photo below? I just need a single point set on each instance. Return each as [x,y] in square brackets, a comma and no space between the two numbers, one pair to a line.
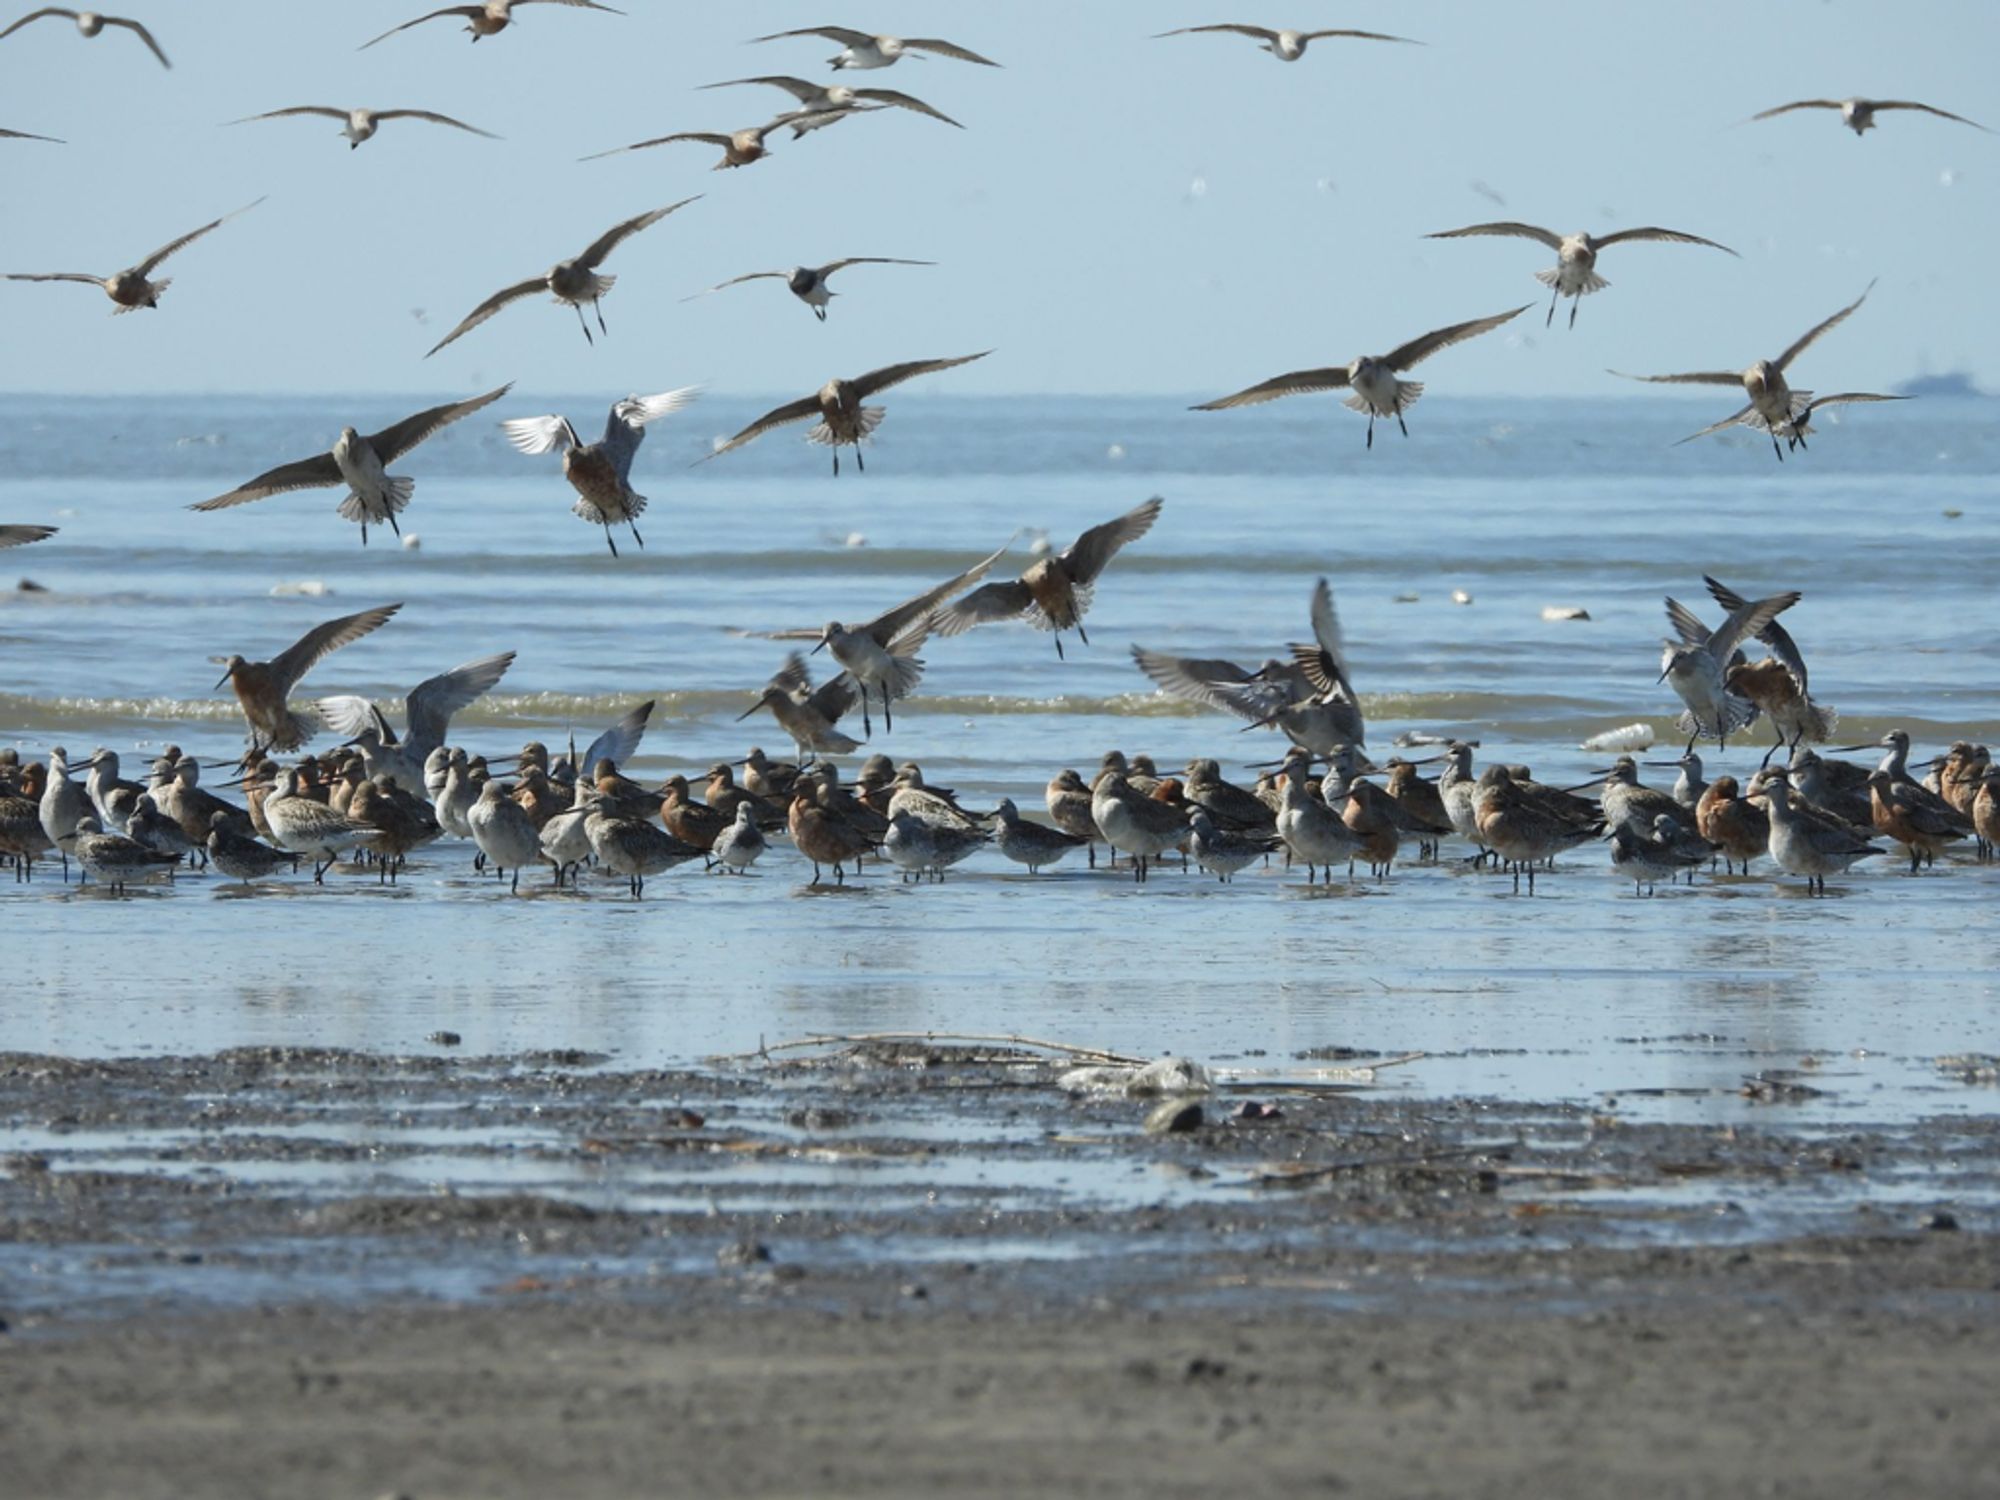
[607,539]
[1082,634]
[1371,431]
[1550,320]
[1399,421]
[598,307]
[1572,311]
[1059,650]
[888,717]
[858,464]
[635,535]
[1774,445]
[820,313]
[392,524]
[836,463]
[583,324]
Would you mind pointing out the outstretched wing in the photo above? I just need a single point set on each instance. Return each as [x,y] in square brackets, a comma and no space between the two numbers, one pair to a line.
[876,381]
[845,35]
[1929,109]
[1774,635]
[24,135]
[1748,620]
[313,473]
[148,265]
[1700,377]
[1666,236]
[1085,557]
[996,601]
[664,140]
[620,742]
[1686,626]
[450,10]
[20,536]
[142,34]
[1782,109]
[833,697]
[540,434]
[637,411]
[1418,350]
[859,260]
[349,716]
[947,49]
[1327,635]
[791,411]
[37,15]
[905,101]
[1257,33]
[1729,421]
[1360,36]
[1331,379]
[739,280]
[435,119]
[1508,227]
[1213,683]
[601,247]
[800,89]
[1805,340]
[391,443]
[431,703]
[906,623]
[322,640]
[489,307]
[87,279]
[325,110]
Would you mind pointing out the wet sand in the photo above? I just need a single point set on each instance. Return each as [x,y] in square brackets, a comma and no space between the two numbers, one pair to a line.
[911,1269]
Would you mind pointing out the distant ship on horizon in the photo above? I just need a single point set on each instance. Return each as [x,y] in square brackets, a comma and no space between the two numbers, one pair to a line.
[1950,383]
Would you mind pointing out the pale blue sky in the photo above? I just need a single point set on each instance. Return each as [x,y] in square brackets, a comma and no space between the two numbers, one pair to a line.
[1067,219]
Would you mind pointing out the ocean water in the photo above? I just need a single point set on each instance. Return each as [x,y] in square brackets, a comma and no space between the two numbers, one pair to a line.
[1889,525]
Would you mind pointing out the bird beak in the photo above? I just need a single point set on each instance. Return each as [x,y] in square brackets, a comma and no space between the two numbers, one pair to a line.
[739,719]
[1851,749]
[1660,763]
[1663,674]
[1586,786]
[1427,760]
[218,686]
[816,650]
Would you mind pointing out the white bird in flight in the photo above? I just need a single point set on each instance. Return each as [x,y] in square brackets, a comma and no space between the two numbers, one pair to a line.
[358,125]
[861,50]
[133,288]
[90,23]
[1286,46]
[1575,272]
[808,283]
[821,106]
[843,420]
[489,18]
[601,472]
[1858,115]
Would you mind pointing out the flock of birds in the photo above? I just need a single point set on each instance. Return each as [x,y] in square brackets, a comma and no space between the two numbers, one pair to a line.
[385,792]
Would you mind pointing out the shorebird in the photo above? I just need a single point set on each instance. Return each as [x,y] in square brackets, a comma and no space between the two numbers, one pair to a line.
[1141,826]
[742,844]
[1055,593]
[1068,802]
[1032,844]
[427,714]
[1777,684]
[1774,406]
[1421,805]
[881,653]
[1369,379]
[114,798]
[374,495]
[823,105]
[601,472]
[91,23]
[1735,824]
[808,283]
[1221,852]
[63,805]
[1660,852]
[301,826]
[1858,115]
[1286,46]
[488,18]
[1808,846]
[807,714]
[1523,832]
[1234,809]
[1632,806]
[358,125]
[843,420]
[241,857]
[1690,784]
[22,135]
[739,147]
[634,849]
[117,860]
[1696,666]
[505,833]
[262,687]
[1837,787]
[919,848]
[1575,273]
[1914,816]
[861,50]
[1317,836]
[1331,716]
[571,282]
[22,838]
[690,821]
[823,836]
[133,288]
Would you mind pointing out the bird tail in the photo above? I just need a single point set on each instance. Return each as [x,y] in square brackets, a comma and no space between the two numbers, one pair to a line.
[1407,392]
[397,490]
[1818,722]
[1592,282]
[909,672]
[159,287]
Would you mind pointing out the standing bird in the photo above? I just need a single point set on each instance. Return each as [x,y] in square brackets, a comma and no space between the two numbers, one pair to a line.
[1055,593]
[864,51]
[262,687]
[1031,844]
[1777,684]
[1369,379]
[488,18]
[427,714]
[1801,844]
[881,653]
[601,472]
[1774,406]
[1575,273]
[91,23]
[21,536]
[1286,46]
[1696,666]
[1858,115]
[808,283]
[361,463]
[742,843]
[504,832]
[359,125]
[843,420]
[822,106]
[299,825]
[807,714]
[132,288]
[571,282]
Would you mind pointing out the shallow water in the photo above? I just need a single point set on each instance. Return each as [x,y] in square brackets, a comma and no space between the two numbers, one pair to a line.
[1569,503]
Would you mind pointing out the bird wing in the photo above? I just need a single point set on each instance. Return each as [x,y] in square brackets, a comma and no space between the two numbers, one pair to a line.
[947,49]
[1258,32]
[1686,626]
[1326,631]
[738,280]
[322,641]
[1843,398]
[620,742]
[860,260]
[898,622]
[23,135]
[349,716]
[1701,377]
[1748,620]
[1667,236]
[1418,350]
[147,266]
[431,703]
[313,473]
[1331,379]
[391,443]
[793,677]
[664,140]
[833,697]
[1929,109]
[905,101]
[1506,227]
[298,109]
[1774,635]
[637,411]
[1805,340]
[1765,114]
[449,10]
[55,276]
[142,34]
[845,35]
[1323,671]
[601,247]
[877,381]
[996,601]
[583,4]
[37,15]
[1085,557]
[799,88]
[540,434]
[791,411]
[1729,421]
[435,119]
[489,307]
[20,536]
[1212,682]
[1364,36]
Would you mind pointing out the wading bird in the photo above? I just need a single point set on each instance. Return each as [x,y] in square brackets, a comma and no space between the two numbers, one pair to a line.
[263,687]
[601,472]
[1696,666]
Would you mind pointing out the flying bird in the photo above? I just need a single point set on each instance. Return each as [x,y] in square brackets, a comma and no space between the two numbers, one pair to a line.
[22,135]
[860,50]
[1286,46]
[821,106]
[601,472]
[263,687]
[1056,592]
[132,288]
[361,463]
[489,18]
[739,147]
[1858,115]
[1575,272]
[808,283]
[843,420]
[1370,379]
[90,23]
[21,536]
[1774,406]
[427,710]
[358,125]
[572,282]
[1697,666]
